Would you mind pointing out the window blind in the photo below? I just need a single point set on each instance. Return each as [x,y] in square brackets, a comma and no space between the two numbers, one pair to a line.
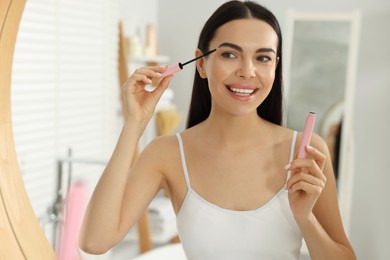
[65,90]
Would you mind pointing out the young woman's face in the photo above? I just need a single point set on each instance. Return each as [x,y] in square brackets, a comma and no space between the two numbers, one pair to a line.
[241,71]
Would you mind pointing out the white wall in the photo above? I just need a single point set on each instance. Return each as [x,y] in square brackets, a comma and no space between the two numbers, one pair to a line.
[180,23]
[371,209]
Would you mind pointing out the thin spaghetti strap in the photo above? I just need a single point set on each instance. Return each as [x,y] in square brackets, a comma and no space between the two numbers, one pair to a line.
[292,148]
[183,160]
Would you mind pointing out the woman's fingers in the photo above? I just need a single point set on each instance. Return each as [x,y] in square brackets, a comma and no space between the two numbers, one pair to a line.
[152,69]
[140,102]
[136,79]
[314,163]
[162,86]
[307,178]
[309,169]
[308,166]
[144,76]
[307,181]
[318,156]
[309,188]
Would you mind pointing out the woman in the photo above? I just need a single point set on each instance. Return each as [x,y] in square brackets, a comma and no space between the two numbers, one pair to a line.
[227,173]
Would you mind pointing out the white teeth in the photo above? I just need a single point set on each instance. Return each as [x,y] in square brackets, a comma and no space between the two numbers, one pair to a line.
[242,91]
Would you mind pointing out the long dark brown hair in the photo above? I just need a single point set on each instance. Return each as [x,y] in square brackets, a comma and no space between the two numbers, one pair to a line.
[271,108]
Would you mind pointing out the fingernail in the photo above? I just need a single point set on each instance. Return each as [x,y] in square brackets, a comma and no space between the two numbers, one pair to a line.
[287,166]
[158,74]
[309,148]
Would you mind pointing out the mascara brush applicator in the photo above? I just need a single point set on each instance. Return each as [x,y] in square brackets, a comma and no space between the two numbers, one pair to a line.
[179,66]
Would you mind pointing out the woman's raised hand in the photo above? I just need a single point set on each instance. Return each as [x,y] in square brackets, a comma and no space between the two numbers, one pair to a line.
[306,182]
[139,102]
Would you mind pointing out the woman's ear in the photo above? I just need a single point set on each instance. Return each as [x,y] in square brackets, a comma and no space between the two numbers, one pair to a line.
[200,64]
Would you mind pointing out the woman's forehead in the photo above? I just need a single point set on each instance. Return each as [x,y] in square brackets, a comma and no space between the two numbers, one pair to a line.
[252,33]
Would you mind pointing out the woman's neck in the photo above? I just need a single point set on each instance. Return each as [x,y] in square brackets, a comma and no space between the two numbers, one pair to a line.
[231,130]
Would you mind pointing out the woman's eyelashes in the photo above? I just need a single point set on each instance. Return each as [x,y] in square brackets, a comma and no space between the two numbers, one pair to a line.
[263,58]
[228,55]
[232,55]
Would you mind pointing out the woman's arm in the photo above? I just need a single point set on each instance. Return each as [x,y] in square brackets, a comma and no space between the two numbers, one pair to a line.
[313,199]
[109,216]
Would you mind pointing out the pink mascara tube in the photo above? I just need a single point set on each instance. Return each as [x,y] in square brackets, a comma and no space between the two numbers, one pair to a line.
[307,133]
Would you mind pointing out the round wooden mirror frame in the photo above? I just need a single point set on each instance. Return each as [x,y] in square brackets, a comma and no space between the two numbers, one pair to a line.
[21,236]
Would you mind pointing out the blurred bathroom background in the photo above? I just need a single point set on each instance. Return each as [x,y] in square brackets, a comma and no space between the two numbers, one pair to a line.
[67,111]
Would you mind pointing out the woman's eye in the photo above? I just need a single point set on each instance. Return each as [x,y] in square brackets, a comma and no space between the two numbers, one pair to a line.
[264,58]
[228,55]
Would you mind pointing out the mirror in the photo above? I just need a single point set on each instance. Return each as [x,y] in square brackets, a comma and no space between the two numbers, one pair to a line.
[320,70]
[36,63]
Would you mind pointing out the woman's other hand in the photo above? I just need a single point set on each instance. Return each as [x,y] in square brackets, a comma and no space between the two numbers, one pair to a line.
[306,182]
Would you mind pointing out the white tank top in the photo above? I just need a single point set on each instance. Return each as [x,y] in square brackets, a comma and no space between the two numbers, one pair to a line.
[209,232]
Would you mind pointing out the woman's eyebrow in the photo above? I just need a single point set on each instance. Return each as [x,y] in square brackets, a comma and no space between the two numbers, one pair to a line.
[238,48]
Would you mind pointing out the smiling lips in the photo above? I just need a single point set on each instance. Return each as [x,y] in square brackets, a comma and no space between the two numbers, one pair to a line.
[243,90]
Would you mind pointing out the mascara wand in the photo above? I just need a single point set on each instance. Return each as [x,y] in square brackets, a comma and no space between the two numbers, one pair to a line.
[178,67]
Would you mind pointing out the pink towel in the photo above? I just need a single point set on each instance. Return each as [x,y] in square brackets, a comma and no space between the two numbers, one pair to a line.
[74,212]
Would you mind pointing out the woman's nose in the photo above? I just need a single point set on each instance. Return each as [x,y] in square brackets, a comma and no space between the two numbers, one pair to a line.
[247,69]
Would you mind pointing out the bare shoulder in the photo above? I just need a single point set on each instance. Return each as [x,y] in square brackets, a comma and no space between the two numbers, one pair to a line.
[163,142]
[162,147]
[282,133]
[320,144]
[161,154]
